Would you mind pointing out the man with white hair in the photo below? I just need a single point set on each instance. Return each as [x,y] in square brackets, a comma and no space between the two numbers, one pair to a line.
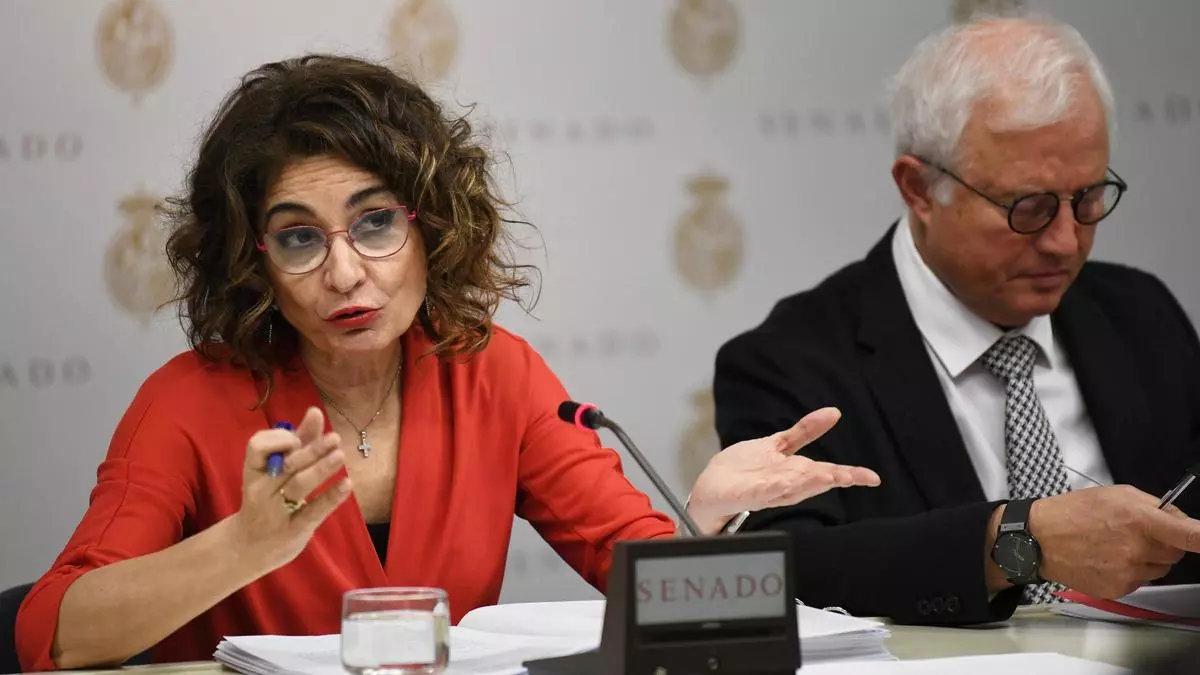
[1024,407]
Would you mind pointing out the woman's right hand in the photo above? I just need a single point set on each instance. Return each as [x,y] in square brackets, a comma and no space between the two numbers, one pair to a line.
[266,530]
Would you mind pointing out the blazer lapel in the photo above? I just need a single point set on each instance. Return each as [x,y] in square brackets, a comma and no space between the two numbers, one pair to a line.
[899,372]
[1115,400]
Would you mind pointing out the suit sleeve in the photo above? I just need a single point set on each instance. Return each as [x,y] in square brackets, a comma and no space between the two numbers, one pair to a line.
[1188,356]
[571,489]
[1184,348]
[926,568]
[144,492]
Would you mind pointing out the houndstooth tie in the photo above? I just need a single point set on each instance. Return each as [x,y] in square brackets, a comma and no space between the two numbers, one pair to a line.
[1035,463]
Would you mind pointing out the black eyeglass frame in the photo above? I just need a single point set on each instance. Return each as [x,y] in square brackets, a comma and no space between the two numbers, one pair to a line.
[1074,199]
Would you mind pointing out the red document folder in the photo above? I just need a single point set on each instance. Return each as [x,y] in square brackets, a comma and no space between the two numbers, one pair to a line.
[1121,610]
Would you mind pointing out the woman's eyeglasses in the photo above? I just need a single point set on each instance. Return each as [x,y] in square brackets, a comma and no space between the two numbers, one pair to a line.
[300,249]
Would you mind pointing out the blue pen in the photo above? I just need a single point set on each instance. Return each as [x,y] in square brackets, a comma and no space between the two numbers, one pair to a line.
[275,459]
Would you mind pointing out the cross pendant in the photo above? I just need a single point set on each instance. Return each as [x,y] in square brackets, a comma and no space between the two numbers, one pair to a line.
[363,446]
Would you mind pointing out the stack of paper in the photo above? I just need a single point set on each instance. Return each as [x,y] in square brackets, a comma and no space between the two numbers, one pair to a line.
[824,636]
[471,651]
[496,640]
[829,636]
[1170,606]
[263,654]
[499,654]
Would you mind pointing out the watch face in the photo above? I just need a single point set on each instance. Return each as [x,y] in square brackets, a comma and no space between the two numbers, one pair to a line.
[1017,554]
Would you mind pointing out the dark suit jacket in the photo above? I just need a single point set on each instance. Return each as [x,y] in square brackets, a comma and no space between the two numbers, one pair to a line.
[913,549]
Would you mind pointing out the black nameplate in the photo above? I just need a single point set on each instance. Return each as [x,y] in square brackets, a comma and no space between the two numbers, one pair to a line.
[695,606]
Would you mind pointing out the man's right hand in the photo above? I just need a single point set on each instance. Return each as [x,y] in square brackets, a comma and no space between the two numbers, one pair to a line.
[1109,541]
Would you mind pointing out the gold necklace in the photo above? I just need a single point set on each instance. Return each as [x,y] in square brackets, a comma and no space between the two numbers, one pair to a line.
[364,446]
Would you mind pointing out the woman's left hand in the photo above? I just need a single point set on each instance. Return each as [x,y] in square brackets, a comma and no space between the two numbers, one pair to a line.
[765,472]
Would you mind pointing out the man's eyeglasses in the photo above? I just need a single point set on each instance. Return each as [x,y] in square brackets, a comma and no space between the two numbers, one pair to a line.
[1032,213]
[303,248]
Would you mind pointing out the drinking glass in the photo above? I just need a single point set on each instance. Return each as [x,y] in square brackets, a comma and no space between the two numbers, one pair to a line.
[395,631]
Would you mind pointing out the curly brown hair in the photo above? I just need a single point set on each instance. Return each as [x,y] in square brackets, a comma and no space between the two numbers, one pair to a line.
[367,115]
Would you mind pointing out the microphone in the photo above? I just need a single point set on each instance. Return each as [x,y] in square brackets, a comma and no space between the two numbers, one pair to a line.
[588,416]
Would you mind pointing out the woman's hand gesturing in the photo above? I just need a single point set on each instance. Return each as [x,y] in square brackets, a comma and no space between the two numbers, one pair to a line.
[280,513]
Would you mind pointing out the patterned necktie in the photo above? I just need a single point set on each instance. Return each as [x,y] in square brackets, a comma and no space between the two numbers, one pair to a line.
[1035,463]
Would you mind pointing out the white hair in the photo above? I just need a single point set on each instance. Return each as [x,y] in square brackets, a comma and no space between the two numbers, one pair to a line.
[1031,64]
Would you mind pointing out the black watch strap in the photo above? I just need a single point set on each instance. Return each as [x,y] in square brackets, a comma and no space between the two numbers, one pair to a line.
[1016,516]
[1016,551]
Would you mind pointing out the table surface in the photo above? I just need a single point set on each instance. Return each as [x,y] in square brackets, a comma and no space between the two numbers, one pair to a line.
[1030,630]
[1040,630]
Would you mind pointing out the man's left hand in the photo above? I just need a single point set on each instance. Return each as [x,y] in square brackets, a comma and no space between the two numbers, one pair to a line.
[765,472]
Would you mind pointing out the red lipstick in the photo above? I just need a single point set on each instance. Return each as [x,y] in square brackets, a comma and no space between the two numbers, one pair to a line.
[353,317]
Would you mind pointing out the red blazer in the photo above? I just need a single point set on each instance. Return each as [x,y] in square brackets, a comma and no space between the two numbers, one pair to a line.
[479,442]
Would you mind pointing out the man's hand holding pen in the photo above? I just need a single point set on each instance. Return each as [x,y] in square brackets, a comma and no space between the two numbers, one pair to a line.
[1107,541]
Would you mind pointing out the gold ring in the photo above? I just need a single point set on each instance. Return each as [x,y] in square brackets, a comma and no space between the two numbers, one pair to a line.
[292,505]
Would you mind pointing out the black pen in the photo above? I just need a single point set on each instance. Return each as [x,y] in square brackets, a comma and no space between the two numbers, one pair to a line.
[1188,477]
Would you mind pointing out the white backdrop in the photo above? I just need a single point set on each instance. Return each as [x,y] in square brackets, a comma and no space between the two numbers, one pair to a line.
[686,162]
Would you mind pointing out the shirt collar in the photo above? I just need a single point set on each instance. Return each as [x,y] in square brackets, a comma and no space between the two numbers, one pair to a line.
[956,335]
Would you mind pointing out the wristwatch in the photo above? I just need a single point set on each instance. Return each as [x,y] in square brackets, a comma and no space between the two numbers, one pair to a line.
[730,527]
[736,524]
[1016,552]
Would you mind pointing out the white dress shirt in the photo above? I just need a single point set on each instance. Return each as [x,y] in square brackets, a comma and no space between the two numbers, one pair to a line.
[956,339]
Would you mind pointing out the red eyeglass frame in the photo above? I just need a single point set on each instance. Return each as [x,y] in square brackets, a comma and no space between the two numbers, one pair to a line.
[410,216]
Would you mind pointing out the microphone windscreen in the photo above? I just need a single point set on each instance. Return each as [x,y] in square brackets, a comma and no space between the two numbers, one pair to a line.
[585,415]
[567,410]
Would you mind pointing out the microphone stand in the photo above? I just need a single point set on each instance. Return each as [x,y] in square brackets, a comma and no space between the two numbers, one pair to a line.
[688,524]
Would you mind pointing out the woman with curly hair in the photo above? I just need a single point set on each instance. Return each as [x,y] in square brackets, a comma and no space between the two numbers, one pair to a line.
[340,254]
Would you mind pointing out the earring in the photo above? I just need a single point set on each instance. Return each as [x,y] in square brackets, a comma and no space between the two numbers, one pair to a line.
[271,323]
[428,307]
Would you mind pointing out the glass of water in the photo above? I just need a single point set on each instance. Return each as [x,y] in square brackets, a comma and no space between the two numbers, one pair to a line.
[395,631]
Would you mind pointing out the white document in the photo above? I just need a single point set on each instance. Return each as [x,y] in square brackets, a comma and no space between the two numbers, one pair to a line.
[497,640]
[1178,601]
[824,636]
[501,652]
[471,652]
[262,654]
[1000,664]
[575,618]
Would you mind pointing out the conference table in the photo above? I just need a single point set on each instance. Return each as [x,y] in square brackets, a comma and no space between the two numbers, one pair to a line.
[1034,629]
[1031,629]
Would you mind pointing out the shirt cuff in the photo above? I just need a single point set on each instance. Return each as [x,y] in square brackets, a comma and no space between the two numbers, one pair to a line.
[735,524]
[731,527]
